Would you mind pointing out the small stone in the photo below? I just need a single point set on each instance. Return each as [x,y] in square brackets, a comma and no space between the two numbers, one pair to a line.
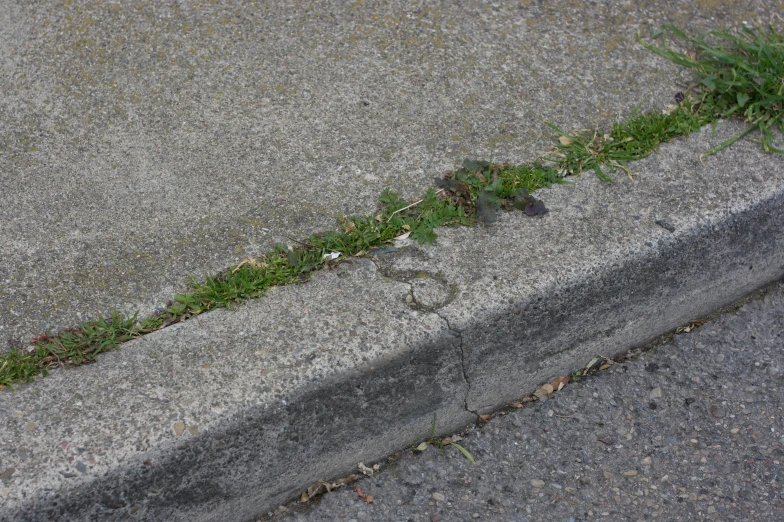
[4,491]
[476,515]
[647,461]
[194,430]
[607,475]
[556,486]
[435,517]
[7,474]
[630,473]
[438,497]
[734,430]
[30,426]
[717,412]
[179,427]
[537,483]
[655,393]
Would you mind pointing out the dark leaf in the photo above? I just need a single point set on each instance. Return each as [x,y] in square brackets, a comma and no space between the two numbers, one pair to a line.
[475,165]
[487,206]
[456,187]
[523,199]
[536,209]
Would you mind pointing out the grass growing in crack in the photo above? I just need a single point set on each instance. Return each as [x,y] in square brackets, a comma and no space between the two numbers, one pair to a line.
[632,139]
[442,443]
[741,74]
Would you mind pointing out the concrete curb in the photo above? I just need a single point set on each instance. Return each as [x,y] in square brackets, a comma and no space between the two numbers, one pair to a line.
[230,414]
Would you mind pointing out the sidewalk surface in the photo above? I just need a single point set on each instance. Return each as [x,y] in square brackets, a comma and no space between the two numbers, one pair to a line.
[692,430]
[145,142]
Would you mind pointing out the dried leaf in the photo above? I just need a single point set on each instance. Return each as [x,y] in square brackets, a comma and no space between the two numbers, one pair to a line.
[304,497]
[560,382]
[364,469]
[485,417]
[604,366]
[319,488]
[565,140]
[401,237]
[367,498]
[421,447]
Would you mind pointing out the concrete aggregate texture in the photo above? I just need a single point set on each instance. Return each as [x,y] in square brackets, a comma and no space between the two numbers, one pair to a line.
[143,142]
[691,430]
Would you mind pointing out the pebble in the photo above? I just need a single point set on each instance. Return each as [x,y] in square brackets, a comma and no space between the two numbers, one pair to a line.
[537,483]
[630,473]
[438,497]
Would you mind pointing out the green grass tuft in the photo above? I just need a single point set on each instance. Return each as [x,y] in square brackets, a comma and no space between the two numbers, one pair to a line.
[740,72]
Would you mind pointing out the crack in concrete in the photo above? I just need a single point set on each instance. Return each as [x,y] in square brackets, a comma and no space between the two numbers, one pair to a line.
[457,333]
[463,369]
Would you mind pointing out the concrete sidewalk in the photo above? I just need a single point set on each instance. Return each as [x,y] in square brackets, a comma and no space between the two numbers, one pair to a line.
[141,143]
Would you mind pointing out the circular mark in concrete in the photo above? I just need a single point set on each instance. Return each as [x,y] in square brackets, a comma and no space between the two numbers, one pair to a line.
[430,292]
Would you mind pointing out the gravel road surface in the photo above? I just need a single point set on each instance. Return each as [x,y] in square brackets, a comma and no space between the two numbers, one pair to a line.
[691,430]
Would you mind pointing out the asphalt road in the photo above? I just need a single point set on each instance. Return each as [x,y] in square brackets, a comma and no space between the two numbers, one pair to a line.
[690,430]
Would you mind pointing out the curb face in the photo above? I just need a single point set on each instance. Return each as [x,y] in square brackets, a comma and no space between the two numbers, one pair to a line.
[232,413]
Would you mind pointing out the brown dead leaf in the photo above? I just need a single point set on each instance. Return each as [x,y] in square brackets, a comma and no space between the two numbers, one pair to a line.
[247,261]
[304,497]
[604,366]
[691,55]
[485,417]
[367,498]
[319,488]
[560,382]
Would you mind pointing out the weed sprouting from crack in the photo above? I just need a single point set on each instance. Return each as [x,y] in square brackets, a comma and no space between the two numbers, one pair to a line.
[741,74]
